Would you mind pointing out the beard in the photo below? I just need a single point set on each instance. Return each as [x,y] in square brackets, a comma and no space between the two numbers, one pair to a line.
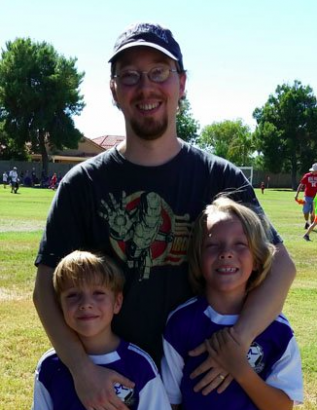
[149,129]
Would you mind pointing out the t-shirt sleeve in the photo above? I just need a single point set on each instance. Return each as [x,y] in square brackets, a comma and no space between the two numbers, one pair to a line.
[41,397]
[153,396]
[65,226]
[287,375]
[172,364]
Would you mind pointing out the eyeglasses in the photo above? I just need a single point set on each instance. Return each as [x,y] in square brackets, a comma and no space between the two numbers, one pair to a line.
[156,74]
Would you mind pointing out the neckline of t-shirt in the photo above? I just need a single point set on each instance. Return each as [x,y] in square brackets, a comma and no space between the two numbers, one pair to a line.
[170,163]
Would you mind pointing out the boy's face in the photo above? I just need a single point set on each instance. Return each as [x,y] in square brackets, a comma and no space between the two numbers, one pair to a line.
[89,309]
[227,261]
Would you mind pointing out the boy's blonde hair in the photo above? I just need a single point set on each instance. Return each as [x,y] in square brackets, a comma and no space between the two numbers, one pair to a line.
[82,267]
[256,229]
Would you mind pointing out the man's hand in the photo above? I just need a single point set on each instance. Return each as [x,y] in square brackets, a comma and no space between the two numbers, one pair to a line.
[95,390]
[228,351]
[216,376]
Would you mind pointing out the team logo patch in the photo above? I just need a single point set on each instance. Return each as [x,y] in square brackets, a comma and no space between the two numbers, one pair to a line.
[255,357]
[125,394]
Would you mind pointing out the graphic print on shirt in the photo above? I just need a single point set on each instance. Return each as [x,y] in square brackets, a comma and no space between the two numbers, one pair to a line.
[144,232]
[313,181]
[255,357]
[126,394]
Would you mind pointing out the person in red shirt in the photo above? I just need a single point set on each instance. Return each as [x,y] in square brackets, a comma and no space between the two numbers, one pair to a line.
[309,183]
[53,181]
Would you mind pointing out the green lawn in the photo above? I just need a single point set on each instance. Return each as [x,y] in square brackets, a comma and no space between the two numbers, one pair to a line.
[22,218]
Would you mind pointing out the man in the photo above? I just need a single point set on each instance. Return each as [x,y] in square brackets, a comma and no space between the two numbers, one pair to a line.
[138,202]
[14,180]
[309,183]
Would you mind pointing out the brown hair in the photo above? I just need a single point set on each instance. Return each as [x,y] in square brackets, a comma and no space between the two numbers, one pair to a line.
[82,267]
[256,229]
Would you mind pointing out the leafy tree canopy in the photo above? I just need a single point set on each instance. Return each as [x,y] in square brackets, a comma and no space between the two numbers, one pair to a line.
[229,139]
[286,130]
[187,127]
[39,94]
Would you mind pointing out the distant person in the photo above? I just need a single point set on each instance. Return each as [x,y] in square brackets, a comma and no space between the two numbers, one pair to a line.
[33,177]
[14,180]
[5,178]
[27,181]
[313,224]
[230,254]
[309,183]
[262,186]
[53,182]
[89,290]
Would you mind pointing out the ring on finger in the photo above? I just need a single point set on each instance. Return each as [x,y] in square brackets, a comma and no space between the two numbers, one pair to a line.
[221,377]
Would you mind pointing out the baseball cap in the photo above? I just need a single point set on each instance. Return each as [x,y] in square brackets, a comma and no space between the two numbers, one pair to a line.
[314,167]
[149,35]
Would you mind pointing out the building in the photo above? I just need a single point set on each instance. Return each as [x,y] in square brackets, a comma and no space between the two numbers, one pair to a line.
[87,148]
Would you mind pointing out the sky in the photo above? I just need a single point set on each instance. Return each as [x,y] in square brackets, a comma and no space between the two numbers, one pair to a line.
[236,52]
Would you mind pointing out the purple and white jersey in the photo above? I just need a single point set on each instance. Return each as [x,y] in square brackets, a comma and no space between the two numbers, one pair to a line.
[54,387]
[274,355]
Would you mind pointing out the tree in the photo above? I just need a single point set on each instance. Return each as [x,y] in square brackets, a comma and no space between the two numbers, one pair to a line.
[39,94]
[286,130]
[186,126]
[229,139]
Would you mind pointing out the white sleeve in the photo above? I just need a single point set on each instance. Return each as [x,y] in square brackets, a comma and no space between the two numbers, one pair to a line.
[41,397]
[153,396]
[172,372]
[287,373]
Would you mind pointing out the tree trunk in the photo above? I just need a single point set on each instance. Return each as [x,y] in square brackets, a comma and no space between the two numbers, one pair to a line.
[294,177]
[43,152]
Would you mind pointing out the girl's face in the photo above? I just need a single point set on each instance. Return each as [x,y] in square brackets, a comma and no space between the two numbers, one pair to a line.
[227,261]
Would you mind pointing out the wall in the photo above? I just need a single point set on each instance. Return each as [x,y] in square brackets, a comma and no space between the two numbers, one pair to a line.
[276,180]
[24,166]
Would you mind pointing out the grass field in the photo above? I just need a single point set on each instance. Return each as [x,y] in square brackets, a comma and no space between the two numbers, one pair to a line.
[22,341]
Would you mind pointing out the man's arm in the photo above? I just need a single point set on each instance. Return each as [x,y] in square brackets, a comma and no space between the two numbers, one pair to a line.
[262,306]
[94,384]
[266,301]
[299,188]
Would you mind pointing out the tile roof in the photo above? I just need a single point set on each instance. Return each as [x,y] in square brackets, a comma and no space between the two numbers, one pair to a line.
[108,141]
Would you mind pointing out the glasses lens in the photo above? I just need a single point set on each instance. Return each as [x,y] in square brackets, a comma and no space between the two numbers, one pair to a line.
[129,77]
[159,74]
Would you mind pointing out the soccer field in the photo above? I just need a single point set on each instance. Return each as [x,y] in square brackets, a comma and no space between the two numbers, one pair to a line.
[22,342]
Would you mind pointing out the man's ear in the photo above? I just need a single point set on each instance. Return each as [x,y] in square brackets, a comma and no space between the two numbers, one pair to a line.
[113,91]
[182,85]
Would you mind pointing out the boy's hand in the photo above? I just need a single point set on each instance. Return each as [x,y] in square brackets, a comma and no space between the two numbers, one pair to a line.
[95,390]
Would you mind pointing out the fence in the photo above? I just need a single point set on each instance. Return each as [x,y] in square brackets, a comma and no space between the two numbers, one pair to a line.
[270,180]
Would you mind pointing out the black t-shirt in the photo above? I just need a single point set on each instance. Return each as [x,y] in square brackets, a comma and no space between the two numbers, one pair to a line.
[142,216]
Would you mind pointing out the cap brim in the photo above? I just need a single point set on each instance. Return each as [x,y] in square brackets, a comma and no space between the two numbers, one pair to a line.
[143,44]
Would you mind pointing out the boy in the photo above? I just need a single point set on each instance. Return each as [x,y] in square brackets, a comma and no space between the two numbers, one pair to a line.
[89,291]
[229,255]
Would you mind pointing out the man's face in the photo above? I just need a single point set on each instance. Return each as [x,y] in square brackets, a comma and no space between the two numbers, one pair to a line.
[149,108]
